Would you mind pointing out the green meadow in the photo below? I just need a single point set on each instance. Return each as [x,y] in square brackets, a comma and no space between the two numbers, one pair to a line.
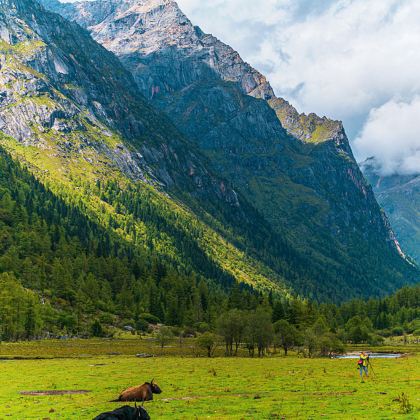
[274,387]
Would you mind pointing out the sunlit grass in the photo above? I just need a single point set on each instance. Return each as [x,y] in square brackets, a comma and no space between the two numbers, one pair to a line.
[197,387]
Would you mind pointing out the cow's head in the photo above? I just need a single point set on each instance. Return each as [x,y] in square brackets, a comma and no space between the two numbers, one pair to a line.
[155,387]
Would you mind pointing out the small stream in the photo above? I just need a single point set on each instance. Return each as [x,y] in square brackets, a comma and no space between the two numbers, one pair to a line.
[371,355]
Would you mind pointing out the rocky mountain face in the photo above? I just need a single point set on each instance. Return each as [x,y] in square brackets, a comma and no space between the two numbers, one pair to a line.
[50,80]
[73,115]
[399,195]
[297,170]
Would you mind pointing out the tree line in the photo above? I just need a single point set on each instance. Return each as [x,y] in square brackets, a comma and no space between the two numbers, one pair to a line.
[308,328]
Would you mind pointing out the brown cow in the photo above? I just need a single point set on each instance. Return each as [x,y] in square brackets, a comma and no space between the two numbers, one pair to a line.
[140,393]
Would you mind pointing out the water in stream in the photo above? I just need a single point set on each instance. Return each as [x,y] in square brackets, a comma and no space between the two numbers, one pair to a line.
[371,355]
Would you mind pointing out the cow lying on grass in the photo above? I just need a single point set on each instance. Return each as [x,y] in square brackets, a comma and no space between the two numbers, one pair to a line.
[140,393]
[125,413]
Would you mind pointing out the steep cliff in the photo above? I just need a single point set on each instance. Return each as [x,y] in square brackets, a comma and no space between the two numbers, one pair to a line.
[399,195]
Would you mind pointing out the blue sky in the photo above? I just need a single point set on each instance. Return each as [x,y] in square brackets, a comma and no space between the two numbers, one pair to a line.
[353,60]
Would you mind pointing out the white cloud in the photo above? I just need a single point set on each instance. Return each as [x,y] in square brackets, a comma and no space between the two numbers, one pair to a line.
[339,58]
[392,135]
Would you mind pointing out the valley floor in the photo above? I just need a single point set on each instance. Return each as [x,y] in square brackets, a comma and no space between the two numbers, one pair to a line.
[219,388]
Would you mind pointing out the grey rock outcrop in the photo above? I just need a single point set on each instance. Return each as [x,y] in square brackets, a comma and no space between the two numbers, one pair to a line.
[49,83]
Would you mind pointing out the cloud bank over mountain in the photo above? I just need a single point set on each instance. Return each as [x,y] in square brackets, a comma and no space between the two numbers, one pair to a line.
[357,61]
[401,155]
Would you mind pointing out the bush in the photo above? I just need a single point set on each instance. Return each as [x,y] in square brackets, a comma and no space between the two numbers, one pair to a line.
[413,326]
[142,325]
[330,344]
[405,405]
[189,332]
[385,333]
[106,318]
[164,336]
[96,329]
[358,329]
[397,331]
[203,327]
[177,331]
[376,340]
[151,319]
[208,341]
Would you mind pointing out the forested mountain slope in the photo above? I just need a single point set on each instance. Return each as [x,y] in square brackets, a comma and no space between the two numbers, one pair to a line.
[74,116]
[59,271]
[298,171]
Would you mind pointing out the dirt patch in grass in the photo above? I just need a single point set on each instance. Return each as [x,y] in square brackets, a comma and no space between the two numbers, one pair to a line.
[55,392]
[334,393]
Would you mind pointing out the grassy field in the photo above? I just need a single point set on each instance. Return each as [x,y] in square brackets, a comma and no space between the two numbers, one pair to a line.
[196,387]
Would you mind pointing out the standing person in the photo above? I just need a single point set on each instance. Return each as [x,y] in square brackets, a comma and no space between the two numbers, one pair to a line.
[363,364]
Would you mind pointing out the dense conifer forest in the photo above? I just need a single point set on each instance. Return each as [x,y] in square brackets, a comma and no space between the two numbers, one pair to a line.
[62,274]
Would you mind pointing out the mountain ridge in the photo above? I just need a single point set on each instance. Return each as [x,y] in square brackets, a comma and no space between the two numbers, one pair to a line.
[226,218]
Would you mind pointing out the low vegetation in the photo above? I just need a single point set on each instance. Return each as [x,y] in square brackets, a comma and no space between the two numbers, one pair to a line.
[197,387]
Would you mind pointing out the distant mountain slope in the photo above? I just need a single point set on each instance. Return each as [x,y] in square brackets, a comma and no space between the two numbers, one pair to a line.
[399,195]
[297,170]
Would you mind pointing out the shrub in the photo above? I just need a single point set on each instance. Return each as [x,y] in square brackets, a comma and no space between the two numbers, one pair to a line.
[189,332]
[151,319]
[106,318]
[208,341]
[405,406]
[142,325]
[330,344]
[375,340]
[397,331]
[164,336]
[96,329]
[203,327]
[385,333]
